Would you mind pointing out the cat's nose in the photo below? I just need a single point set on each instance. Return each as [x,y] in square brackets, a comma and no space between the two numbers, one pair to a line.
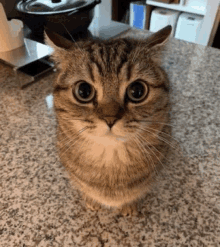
[110,121]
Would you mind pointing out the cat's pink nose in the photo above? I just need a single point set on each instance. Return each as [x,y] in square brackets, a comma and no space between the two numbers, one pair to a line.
[110,121]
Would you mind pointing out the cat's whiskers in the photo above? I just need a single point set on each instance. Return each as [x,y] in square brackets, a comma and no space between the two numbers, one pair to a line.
[147,121]
[74,119]
[72,144]
[141,137]
[170,143]
[151,152]
[159,137]
[83,53]
[164,133]
[62,140]
[65,138]
[80,119]
[75,140]
[142,148]
[68,142]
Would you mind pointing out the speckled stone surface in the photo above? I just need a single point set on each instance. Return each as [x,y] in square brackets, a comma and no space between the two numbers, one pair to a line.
[39,207]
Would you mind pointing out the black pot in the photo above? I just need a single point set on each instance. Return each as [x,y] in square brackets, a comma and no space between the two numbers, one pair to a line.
[67,18]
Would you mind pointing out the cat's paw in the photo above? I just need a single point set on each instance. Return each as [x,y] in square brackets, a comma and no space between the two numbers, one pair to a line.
[129,210]
[91,204]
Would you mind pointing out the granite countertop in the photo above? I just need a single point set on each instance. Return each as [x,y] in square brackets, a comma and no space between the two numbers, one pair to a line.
[38,206]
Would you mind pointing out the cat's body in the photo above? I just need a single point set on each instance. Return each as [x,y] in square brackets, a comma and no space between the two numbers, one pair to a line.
[112,107]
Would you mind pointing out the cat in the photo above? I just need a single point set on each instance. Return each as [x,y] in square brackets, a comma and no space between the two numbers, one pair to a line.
[112,106]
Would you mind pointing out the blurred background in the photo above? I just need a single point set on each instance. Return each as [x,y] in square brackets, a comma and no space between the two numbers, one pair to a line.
[195,21]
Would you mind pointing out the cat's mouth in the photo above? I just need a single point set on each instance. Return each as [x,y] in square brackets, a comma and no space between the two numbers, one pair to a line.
[114,136]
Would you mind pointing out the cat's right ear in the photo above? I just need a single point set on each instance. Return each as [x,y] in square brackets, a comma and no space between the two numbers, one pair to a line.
[156,43]
[59,44]
[160,38]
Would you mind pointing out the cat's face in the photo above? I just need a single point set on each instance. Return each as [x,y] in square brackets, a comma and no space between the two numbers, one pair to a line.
[112,92]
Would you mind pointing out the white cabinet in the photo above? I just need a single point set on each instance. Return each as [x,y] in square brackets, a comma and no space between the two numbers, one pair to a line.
[206,8]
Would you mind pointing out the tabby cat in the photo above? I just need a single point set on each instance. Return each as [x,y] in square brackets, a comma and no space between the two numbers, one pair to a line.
[112,106]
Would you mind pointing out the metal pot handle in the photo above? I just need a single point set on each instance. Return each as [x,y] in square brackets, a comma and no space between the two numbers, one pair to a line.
[88,6]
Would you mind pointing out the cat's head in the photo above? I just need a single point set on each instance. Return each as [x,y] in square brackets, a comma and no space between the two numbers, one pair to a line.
[111,90]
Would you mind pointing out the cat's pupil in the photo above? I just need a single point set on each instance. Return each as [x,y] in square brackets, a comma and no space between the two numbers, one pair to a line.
[84,90]
[137,90]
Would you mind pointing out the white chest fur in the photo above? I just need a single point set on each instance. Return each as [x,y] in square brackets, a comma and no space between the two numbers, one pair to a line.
[106,150]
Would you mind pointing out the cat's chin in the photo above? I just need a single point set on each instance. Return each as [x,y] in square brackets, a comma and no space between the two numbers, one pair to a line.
[107,139]
[109,145]
[113,136]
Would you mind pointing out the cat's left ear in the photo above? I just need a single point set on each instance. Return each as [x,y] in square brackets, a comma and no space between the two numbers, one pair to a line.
[59,44]
[156,42]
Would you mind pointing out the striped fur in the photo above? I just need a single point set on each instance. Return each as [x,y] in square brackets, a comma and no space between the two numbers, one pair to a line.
[113,170]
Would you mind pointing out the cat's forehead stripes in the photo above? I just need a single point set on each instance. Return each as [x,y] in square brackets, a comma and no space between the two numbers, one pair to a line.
[110,66]
[109,57]
[115,59]
[91,73]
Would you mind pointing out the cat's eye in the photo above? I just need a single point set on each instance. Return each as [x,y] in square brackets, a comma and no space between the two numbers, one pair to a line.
[84,92]
[137,91]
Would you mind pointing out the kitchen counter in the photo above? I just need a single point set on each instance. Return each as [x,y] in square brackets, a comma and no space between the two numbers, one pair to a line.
[39,207]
